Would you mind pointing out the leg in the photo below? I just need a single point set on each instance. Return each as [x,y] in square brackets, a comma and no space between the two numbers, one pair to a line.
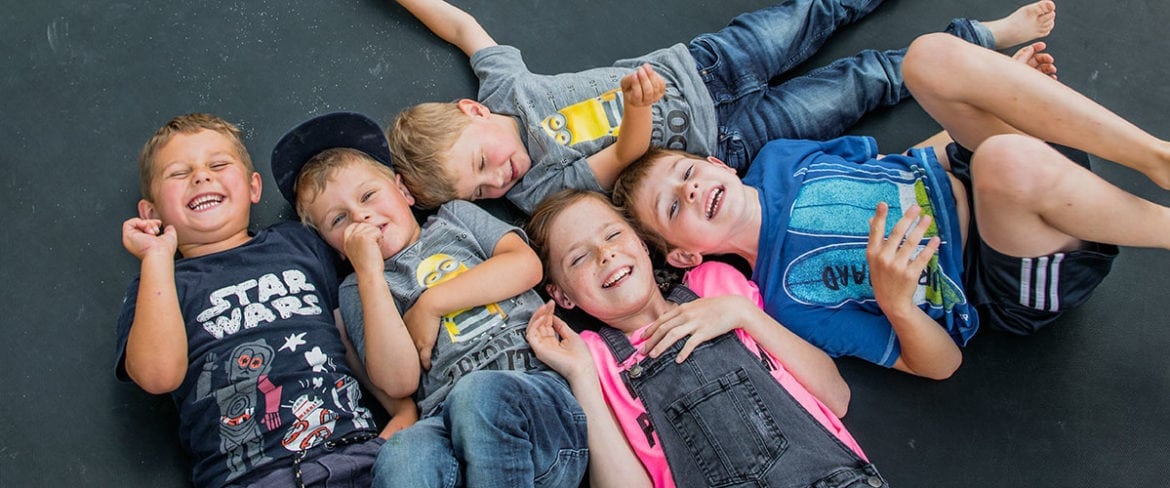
[1032,201]
[765,43]
[518,429]
[419,455]
[821,104]
[976,93]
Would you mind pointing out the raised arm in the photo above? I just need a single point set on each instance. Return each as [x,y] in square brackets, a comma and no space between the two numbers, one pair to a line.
[391,360]
[640,90]
[612,462]
[156,349]
[512,269]
[451,24]
[927,349]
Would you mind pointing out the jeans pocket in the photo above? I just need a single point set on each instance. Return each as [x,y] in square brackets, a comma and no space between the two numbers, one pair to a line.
[727,429]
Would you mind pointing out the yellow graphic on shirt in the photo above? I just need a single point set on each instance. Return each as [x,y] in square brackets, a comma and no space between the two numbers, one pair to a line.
[586,120]
[461,325]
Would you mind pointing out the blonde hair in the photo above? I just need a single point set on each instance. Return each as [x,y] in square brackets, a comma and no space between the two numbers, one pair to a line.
[314,176]
[186,124]
[419,138]
[628,183]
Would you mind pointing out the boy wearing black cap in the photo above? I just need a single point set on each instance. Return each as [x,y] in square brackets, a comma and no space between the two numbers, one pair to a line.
[459,289]
[239,330]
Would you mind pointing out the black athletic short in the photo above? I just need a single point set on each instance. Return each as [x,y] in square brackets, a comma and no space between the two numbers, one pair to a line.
[1022,295]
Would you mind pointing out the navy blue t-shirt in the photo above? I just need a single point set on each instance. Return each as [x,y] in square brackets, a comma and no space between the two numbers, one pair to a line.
[266,374]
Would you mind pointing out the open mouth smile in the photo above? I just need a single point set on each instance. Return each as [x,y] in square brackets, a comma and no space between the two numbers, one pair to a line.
[205,202]
[617,277]
[714,201]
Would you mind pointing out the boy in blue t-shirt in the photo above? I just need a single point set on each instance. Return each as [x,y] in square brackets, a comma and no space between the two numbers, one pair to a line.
[800,215]
[239,330]
[529,135]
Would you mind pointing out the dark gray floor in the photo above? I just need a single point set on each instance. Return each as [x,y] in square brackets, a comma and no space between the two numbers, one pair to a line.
[1084,403]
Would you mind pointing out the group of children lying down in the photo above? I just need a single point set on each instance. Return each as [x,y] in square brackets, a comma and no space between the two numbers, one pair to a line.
[268,339]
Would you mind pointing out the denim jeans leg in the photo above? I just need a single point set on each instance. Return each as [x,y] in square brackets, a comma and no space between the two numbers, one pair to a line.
[761,45]
[518,429]
[823,103]
[420,455]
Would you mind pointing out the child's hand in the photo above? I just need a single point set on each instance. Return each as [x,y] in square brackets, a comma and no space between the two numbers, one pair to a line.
[405,415]
[141,237]
[643,87]
[556,345]
[423,325]
[362,243]
[703,319]
[894,270]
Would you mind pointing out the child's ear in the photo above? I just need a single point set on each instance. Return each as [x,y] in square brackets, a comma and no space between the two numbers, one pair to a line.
[473,108]
[719,162]
[558,296]
[405,191]
[146,209]
[683,259]
[255,187]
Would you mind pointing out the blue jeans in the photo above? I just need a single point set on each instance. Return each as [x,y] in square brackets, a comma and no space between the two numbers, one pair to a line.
[739,62]
[495,428]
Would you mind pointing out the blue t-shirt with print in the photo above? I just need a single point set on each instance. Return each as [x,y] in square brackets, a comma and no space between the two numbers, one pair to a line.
[817,199]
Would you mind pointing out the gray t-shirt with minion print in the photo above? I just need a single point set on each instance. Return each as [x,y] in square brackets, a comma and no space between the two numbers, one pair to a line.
[567,117]
[491,337]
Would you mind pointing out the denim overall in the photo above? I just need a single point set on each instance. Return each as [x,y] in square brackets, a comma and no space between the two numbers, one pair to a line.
[724,420]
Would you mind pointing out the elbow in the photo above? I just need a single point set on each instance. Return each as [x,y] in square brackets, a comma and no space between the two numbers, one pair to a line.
[395,385]
[944,370]
[155,381]
[839,402]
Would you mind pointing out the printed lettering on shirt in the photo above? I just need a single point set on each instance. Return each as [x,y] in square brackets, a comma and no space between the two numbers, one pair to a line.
[838,273]
[259,301]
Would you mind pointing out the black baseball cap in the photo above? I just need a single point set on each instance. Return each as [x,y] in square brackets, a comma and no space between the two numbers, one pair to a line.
[338,129]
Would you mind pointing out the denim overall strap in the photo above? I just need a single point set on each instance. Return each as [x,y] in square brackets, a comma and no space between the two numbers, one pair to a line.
[723,420]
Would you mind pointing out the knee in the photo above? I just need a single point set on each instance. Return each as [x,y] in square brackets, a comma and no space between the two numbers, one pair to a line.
[929,62]
[1012,166]
[482,391]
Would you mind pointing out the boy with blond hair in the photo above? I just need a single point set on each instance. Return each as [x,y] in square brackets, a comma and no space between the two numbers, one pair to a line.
[239,330]
[1022,233]
[460,289]
[530,135]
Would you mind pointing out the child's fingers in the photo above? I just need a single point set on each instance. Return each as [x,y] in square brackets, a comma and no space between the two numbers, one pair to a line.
[927,252]
[877,227]
[913,238]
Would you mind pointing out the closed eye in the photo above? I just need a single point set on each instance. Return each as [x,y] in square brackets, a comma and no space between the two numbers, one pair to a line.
[577,260]
[613,235]
[337,220]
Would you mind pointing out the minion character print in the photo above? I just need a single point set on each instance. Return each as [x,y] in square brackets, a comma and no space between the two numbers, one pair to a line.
[461,325]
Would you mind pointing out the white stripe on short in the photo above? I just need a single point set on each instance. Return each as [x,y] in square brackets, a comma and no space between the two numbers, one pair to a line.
[1040,282]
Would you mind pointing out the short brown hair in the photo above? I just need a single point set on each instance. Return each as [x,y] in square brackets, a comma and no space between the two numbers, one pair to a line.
[628,183]
[186,124]
[314,176]
[419,138]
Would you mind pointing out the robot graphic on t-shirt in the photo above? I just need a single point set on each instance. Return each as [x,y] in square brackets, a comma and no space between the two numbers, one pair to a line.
[247,379]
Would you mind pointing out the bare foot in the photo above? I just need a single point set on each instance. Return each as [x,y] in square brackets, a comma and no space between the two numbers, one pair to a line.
[1031,21]
[1034,56]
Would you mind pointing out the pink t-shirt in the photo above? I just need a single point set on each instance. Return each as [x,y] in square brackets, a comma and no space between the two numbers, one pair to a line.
[707,279]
